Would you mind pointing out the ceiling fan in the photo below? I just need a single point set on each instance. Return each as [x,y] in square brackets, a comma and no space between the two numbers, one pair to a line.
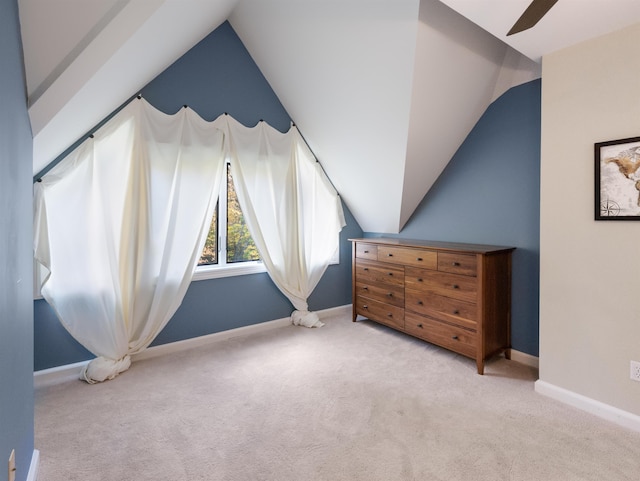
[532,15]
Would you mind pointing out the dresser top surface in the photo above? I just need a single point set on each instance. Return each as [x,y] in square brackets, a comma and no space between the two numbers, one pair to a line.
[440,245]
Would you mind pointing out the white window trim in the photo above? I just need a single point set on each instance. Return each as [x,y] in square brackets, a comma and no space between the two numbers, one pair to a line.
[224,268]
[215,271]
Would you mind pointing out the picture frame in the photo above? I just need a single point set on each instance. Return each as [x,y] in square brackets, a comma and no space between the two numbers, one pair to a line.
[617,179]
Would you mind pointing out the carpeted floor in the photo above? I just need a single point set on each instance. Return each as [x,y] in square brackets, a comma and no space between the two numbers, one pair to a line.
[344,402]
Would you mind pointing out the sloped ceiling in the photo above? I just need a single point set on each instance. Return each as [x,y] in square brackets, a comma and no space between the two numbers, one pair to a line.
[85,58]
[384,91]
[343,70]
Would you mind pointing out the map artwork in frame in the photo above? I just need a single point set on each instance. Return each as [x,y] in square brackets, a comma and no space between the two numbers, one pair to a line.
[617,189]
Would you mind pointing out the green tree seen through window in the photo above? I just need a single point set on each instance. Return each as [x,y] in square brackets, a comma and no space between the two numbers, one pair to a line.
[240,245]
[210,252]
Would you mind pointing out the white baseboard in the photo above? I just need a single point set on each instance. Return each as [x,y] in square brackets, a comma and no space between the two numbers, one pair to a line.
[597,408]
[334,311]
[32,475]
[524,358]
[178,346]
[55,375]
[58,374]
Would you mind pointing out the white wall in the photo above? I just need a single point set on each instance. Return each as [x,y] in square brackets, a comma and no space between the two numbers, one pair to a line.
[385,92]
[456,73]
[590,271]
[343,70]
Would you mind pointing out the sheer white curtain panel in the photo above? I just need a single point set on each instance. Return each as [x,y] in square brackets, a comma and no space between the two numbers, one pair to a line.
[293,212]
[120,224]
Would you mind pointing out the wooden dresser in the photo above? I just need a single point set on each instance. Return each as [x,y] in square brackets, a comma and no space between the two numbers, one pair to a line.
[457,296]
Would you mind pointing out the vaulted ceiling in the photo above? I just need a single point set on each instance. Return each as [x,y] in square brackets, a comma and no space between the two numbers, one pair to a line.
[384,91]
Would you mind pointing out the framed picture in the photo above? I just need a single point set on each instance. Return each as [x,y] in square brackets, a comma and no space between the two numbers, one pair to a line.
[617,190]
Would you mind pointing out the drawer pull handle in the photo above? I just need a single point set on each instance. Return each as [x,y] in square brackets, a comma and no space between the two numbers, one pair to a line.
[419,303]
[365,307]
[366,252]
[456,286]
[389,315]
[456,312]
[419,259]
[419,279]
[365,288]
[390,273]
[454,338]
[389,254]
[455,264]
[420,326]
[365,269]
[390,294]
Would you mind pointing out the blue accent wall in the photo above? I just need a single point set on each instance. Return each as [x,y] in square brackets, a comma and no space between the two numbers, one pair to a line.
[16,314]
[490,194]
[218,75]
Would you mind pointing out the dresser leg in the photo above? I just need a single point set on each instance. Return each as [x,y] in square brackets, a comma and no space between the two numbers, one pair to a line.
[507,353]
[480,365]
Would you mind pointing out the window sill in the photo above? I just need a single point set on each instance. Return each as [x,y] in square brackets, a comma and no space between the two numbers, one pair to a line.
[215,272]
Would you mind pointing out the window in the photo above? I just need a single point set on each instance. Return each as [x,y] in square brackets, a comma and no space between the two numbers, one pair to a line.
[230,250]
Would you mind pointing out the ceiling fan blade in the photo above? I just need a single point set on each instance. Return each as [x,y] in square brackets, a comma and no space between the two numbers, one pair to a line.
[532,15]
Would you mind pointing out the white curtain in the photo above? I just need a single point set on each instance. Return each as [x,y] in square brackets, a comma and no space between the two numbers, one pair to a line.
[293,212]
[129,212]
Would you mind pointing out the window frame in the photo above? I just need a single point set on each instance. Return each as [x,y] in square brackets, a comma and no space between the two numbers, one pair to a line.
[223,268]
[215,271]
[230,269]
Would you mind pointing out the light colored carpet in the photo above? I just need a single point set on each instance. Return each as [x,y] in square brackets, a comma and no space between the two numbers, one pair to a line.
[343,402]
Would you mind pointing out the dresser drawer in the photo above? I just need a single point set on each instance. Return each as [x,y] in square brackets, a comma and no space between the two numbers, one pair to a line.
[389,294]
[380,312]
[379,273]
[408,256]
[447,309]
[451,294]
[442,283]
[367,251]
[452,337]
[464,264]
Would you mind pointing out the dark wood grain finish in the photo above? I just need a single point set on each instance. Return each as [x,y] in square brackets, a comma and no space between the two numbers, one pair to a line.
[381,312]
[391,294]
[457,296]
[446,335]
[440,307]
[408,256]
[379,273]
[464,288]
[464,264]
[367,251]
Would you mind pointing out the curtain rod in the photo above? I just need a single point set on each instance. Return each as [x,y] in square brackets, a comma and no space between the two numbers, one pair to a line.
[91,132]
[76,144]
